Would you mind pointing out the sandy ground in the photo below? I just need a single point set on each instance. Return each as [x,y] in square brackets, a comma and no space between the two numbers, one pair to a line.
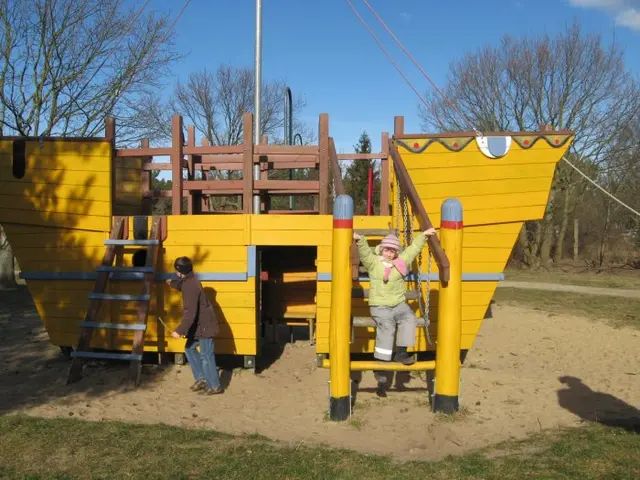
[527,372]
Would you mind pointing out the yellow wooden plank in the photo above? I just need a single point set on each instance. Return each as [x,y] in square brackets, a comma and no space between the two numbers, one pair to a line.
[167,344]
[291,237]
[200,249]
[203,239]
[437,157]
[453,188]
[52,204]
[58,177]
[201,223]
[422,176]
[277,223]
[69,148]
[67,220]
[59,191]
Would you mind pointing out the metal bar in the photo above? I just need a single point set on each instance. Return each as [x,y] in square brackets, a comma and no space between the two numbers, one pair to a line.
[258,99]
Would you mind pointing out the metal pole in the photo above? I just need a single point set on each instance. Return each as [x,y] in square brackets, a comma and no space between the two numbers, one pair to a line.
[258,88]
[288,131]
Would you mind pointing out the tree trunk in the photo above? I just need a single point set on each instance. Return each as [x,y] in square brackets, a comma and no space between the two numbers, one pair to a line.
[559,252]
[547,243]
[576,240]
[7,267]
[605,234]
[529,248]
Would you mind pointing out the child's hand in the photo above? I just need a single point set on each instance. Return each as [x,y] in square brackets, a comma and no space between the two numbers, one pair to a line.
[356,236]
[175,335]
[168,281]
[428,232]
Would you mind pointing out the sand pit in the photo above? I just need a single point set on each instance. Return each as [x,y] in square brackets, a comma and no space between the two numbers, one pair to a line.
[512,386]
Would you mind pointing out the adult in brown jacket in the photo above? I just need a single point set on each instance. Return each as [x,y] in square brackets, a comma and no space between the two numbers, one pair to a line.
[199,325]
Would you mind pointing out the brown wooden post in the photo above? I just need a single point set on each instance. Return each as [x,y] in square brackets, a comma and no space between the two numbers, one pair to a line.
[323,135]
[176,165]
[247,174]
[265,199]
[398,125]
[147,199]
[384,175]
[193,200]
[110,136]
[204,201]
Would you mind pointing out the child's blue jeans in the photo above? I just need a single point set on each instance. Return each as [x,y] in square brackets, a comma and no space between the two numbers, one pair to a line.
[203,363]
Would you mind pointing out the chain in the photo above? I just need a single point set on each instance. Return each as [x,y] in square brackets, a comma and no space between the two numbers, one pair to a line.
[408,239]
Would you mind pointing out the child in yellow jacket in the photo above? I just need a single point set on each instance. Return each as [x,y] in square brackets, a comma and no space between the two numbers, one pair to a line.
[387,266]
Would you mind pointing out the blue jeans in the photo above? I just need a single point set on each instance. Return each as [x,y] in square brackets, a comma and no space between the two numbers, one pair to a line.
[203,363]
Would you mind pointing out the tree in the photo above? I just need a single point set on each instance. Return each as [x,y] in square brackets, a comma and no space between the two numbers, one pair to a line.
[357,178]
[215,103]
[571,82]
[67,64]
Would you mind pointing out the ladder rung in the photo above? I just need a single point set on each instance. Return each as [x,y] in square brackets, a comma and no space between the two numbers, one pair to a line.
[115,326]
[131,242]
[107,355]
[125,269]
[116,296]
[369,322]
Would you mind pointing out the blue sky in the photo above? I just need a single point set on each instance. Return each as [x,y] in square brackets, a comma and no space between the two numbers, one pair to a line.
[325,54]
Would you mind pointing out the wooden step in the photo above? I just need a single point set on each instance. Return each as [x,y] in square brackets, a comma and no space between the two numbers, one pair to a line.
[131,242]
[115,326]
[119,297]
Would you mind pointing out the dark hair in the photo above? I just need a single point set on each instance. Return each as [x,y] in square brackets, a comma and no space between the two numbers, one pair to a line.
[183,265]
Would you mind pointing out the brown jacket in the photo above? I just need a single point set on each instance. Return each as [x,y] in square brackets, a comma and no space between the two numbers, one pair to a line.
[198,318]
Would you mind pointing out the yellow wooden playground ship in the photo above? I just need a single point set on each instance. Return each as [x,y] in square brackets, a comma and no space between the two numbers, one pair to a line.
[77,213]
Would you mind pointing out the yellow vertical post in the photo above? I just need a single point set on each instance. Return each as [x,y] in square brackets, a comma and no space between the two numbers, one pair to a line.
[449,311]
[340,319]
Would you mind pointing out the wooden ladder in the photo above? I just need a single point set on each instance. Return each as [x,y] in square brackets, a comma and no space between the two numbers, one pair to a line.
[115,244]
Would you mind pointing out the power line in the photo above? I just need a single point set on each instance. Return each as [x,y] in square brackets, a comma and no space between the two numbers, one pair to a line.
[599,187]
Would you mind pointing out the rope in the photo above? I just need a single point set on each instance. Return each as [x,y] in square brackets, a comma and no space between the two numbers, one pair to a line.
[165,325]
[599,187]
[415,62]
[387,54]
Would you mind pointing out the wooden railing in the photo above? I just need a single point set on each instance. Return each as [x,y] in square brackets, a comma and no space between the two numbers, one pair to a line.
[205,158]
[409,189]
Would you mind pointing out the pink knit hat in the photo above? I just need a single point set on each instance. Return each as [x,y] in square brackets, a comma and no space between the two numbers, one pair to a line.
[391,241]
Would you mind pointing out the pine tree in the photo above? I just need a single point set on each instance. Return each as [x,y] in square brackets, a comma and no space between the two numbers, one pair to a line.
[357,178]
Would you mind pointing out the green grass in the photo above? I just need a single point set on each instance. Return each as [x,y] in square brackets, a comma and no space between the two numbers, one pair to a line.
[617,279]
[617,311]
[67,448]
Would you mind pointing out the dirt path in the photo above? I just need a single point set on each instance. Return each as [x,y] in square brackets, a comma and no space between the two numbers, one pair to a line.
[528,371]
[557,287]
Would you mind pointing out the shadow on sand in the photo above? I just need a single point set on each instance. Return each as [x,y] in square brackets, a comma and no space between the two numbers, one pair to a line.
[597,407]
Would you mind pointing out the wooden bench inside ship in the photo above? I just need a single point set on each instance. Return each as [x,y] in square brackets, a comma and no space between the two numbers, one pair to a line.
[220,180]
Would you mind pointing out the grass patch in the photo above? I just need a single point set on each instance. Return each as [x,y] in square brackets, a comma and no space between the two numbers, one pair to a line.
[621,279]
[616,311]
[66,448]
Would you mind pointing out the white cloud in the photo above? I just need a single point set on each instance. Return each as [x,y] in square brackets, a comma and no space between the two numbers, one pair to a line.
[625,12]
